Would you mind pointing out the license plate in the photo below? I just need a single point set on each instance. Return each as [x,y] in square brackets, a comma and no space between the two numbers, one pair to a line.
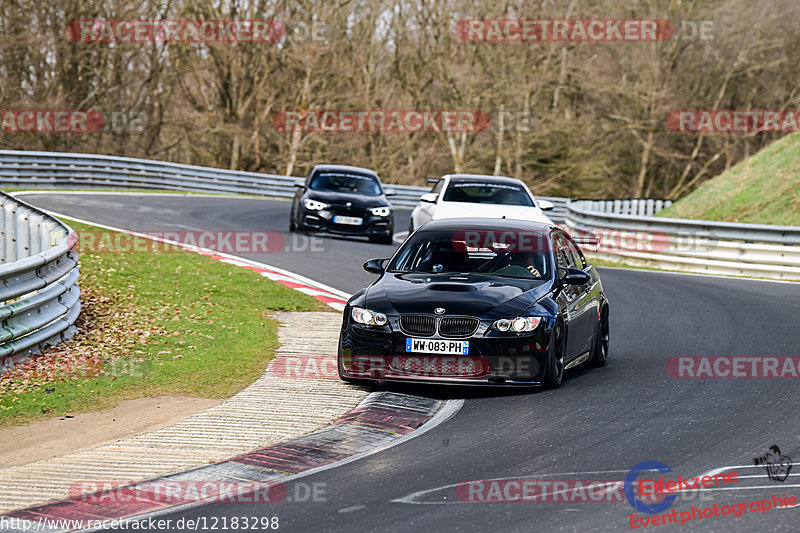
[352,221]
[437,346]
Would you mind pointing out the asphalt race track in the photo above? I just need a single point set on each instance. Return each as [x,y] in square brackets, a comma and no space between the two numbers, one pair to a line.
[597,426]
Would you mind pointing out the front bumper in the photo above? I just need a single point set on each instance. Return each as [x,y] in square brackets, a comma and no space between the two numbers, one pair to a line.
[323,221]
[379,354]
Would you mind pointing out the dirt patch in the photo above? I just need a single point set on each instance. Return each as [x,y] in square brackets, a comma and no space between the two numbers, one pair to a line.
[84,431]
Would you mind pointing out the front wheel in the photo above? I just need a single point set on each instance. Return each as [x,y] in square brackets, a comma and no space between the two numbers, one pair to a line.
[554,373]
[600,348]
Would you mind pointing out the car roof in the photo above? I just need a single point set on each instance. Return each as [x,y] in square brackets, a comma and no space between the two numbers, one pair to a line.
[461,178]
[348,168]
[491,224]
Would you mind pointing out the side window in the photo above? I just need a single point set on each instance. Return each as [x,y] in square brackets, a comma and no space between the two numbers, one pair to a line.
[438,187]
[577,255]
[564,258]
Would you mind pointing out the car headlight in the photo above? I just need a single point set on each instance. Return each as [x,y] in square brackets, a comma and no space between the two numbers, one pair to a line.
[380,211]
[314,205]
[519,324]
[367,317]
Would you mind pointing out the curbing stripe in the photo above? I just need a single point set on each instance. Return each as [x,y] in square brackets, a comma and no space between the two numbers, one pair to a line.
[380,420]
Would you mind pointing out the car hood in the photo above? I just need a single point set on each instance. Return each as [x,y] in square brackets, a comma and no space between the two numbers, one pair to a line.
[476,210]
[489,297]
[338,198]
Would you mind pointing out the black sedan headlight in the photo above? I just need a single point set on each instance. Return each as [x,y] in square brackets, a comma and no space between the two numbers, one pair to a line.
[368,317]
[380,211]
[520,324]
[315,205]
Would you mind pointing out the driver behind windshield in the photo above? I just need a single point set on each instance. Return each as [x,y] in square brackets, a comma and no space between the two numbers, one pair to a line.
[521,265]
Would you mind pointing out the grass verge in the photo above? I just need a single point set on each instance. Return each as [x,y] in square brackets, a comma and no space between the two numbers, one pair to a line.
[177,324]
[762,189]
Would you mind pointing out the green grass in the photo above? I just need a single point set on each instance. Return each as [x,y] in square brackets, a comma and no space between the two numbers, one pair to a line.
[160,324]
[762,189]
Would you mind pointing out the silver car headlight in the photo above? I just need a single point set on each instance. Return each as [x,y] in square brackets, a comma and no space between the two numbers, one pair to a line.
[368,317]
[380,211]
[314,205]
[519,324]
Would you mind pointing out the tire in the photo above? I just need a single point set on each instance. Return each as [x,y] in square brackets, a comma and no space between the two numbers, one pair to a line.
[600,347]
[554,373]
[410,226]
[292,223]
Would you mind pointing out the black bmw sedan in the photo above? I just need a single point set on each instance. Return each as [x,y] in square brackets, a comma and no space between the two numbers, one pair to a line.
[477,301]
[344,200]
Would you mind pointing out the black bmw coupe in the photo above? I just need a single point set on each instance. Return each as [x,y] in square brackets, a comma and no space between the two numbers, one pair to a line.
[477,301]
[344,200]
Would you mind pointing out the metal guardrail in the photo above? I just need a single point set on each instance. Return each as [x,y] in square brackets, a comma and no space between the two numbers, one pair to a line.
[38,281]
[86,171]
[727,248]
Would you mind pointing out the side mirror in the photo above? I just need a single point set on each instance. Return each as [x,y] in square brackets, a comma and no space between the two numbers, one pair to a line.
[300,182]
[375,266]
[389,192]
[433,180]
[429,197]
[573,276]
[544,205]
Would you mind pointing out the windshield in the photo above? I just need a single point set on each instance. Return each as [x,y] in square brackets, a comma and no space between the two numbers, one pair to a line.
[347,182]
[430,252]
[487,193]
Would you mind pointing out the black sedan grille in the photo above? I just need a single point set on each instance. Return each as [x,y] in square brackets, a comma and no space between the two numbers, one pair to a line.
[418,324]
[458,326]
[348,211]
[450,326]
